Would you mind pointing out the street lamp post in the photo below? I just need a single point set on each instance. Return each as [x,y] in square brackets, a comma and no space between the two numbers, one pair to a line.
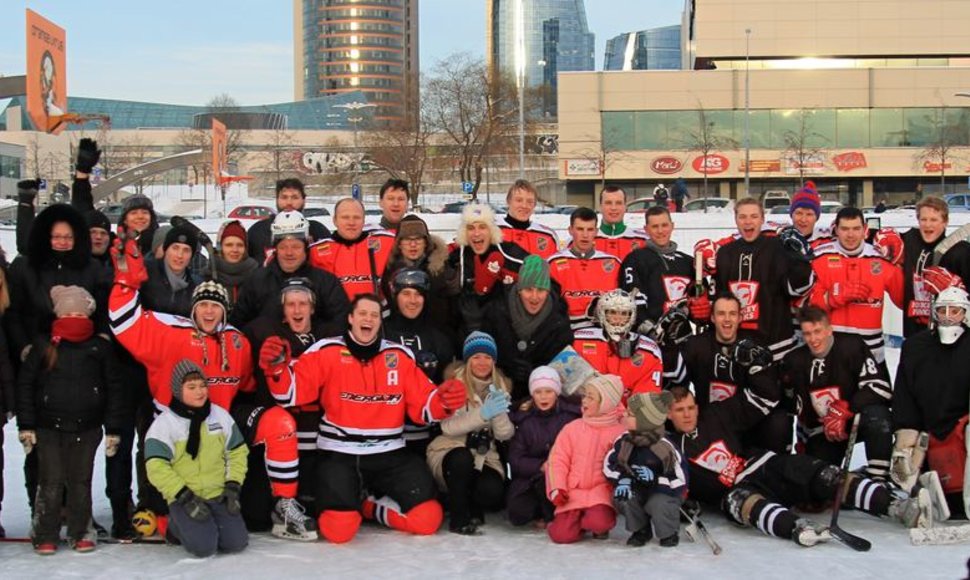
[747,112]
[520,79]
[355,107]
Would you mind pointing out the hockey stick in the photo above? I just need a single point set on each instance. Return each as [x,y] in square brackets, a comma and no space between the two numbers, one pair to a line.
[178,221]
[962,233]
[855,542]
[694,526]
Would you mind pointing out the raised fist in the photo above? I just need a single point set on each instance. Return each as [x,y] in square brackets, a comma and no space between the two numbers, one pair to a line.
[88,155]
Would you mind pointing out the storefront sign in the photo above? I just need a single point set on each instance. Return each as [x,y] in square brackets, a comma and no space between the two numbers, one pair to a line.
[711,164]
[849,161]
[666,165]
[933,167]
[581,167]
[809,164]
[763,165]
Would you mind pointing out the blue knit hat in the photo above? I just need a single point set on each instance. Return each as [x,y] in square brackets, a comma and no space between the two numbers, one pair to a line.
[479,342]
[808,198]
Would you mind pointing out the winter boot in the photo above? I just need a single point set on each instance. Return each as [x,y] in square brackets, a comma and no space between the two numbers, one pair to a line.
[915,511]
[670,541]
[640,537]
[291,522]
[807,534]
[121,526]
[468,529]
[930,481]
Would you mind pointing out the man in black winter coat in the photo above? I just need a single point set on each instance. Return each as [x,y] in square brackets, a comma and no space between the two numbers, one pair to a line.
[170,280]
[529,324]
[290,196]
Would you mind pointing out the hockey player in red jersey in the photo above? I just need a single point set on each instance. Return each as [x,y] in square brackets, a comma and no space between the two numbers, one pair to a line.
[518,226]
[159,340]
[365,385]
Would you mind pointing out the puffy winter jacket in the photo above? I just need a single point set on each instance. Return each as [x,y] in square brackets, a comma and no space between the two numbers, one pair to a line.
[576,464]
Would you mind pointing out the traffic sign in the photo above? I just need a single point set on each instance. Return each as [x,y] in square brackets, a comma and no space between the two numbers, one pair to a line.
[42,184]
[467,187]
[355,191]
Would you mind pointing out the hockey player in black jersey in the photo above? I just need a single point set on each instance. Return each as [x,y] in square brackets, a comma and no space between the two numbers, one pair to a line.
[757,488]
[831,378]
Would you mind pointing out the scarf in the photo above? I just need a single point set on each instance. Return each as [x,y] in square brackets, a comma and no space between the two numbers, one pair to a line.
[195,417]
[650,439]
[176,281]
[387,225]
[233,275]
[524,323]
[605,419]
[362,352]
[71,329]
[667,250]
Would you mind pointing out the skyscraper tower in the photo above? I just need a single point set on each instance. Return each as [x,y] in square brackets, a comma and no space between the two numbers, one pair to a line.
[349,45]
[534,40]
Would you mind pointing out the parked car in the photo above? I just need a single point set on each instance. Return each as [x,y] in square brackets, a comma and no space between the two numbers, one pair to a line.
[775,197]
[959,202]
[458,206]
[829,206]
[251,212]
[309,212]
[714,204]
[641,205]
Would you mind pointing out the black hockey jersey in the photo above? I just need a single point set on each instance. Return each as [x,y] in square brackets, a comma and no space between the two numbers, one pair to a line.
[662,278]
[715,375]
[917,254]
[932,384]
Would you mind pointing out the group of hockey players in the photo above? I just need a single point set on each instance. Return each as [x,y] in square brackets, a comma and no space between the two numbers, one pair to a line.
[303,381]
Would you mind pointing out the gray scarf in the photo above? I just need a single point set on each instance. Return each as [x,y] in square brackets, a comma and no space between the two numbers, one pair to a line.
[666,250]
[176,281]
[523,322]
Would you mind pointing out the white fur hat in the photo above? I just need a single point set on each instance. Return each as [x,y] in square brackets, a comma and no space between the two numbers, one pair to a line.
[477,213]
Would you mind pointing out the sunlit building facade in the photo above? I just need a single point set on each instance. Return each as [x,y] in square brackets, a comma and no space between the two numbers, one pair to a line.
[653,49]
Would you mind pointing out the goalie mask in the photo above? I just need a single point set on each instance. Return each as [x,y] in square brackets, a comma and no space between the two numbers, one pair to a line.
[616,313]
[950,313]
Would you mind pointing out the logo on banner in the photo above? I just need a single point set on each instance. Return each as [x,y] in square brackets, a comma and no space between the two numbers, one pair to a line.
[933,167]
[666,165]
[711,164]
[849,161]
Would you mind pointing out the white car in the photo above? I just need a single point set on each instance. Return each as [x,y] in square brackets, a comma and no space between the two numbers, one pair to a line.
[714,205]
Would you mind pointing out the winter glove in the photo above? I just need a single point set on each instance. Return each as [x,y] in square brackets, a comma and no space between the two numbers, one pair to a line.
[834,421]
[643,473]
[708,251]
[796,243]
[622,491]
[751,355]
[890,244]
[846,293]
[230,496]
[427,361]
[700,308]
[129,264]
[88,155]
[496,403]
[452,394]
[27,191]
[194,506]
[559,497]
[28,438]
[111,444]
[937,279]
[274,356]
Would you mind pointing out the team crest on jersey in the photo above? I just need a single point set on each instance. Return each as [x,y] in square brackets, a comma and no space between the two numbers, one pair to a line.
[561,263]
[835,262]
[542,244]
[373,243]
[875,267]
[675,286]
[493,266]
[609,266]
[637,359]
[747,293]
[721,391]
[719,459]
[589,348]
[345,356]
[236,341]
[390,360]
[823,398]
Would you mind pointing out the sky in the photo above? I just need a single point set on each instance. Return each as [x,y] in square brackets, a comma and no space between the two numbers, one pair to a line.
[186,52]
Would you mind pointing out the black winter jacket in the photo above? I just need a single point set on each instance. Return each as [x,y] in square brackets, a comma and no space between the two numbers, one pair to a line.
[157,294]
[259,237]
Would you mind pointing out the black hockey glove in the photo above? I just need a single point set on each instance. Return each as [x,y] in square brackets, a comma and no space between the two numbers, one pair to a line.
[88,155]
[230,495]
[194,506]
[27,191]
[672,328]
[751,356]
[796,243]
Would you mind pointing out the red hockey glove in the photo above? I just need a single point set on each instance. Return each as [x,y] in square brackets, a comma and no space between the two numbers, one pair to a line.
[890,244]
[846,293]
[833,423]
[559,497]
[452,394]
[937,279]
[708,250]
[274,356]
[129,264]
[700,308]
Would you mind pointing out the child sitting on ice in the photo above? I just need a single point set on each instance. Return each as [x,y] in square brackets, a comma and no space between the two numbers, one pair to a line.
[650,475]
[196,456]
[575,483]
[538,421]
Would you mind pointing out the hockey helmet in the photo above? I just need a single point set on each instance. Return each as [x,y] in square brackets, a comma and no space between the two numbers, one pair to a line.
[411,278]
[298,284]
[950,309]
[289,224]
[616,313]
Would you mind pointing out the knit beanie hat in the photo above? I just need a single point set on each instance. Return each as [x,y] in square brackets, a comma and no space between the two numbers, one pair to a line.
[182,235]
[610,388]
[650,409]
[210,291]
[158,238]
[412,226]
[182,369]
[232,229]
[72,300]
[807,197]
[534,273]
[137,201]
[96,219]
[544,377]
[479,342]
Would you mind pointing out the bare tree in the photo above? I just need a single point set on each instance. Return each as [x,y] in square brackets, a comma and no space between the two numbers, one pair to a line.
[706,138]
[946,138]
[280,154]
[803,145]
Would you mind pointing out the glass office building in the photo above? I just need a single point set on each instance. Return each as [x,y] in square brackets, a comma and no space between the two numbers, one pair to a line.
[654,49]
[541,38]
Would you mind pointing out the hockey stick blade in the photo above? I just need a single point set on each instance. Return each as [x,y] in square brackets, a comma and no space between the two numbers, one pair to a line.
[855,542]
[696,527]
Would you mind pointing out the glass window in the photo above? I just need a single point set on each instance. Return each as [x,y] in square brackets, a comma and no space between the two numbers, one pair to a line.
[723,126]
[683,128]
[651,130]
[852,128]
[958,125]
[922,125]
[759,124]
[784,123]
[618,131]
[886,128]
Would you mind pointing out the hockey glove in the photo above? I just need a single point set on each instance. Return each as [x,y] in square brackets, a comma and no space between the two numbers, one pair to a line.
[890,244]
[452,394]
[194,506]
[834,422]
[559,497]
[496,403]
[843,294]
[937,279]
[111,444]
[28,438]
[622,491]
[88,155]
[27,191]
[274,356]
[427,361]
[907,458]
[644,474]
[700,308]
[230,496]
[796,243]
[708,251]
[751,355]
[129,264]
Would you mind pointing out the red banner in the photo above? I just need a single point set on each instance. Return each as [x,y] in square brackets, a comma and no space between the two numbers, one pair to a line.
[666,165]
[46,73]
[220,157]
[711,164]
[850,160]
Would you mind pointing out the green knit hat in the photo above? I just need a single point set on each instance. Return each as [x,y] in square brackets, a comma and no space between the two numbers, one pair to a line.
[534,273]
[650,409]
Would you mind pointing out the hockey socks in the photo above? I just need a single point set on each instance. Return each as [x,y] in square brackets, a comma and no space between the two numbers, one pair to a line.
[276,430]
[867,495]
[749,508]
[423,519]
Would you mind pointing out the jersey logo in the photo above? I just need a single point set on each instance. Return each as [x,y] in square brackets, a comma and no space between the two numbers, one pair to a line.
[675,286]
[542,244]
[637,359]
[236,341]
[390,360]
[589,348]
[822,398]
[835,262]
[609,265]
[373,243]
[875,267]
[721,391]
[493,266]
[719,459]
[747,293]
[561,263]
[385,398]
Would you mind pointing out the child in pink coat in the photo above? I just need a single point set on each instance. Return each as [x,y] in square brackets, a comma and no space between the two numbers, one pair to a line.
[575,483]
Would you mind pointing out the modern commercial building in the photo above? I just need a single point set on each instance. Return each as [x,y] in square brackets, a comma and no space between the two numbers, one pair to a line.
[343,46]
[533,41]
[653,49]
[861,96]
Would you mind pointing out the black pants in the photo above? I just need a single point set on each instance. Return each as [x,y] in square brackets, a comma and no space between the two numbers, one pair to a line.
[66,463]
[148,496]
[875,430]
[775,433]
[117,471]
[343,481]
[470,492]
[530,504]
